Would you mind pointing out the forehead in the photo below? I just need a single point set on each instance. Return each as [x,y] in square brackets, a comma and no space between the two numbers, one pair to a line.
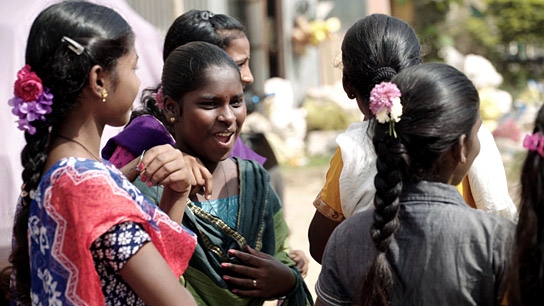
[225,74]
[238,45]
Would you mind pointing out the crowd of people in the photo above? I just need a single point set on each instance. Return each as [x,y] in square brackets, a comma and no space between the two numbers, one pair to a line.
[177,210]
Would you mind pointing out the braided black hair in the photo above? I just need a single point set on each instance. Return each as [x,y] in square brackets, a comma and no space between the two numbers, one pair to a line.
[439,105]
[526,276]
[105,37]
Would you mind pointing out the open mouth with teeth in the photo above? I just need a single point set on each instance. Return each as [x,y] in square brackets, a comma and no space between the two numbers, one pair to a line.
[224,138]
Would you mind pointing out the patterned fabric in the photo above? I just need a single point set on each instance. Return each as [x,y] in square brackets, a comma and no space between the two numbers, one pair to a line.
[110,253]
[77,201]
[259,224]
[328,201]
[225,209]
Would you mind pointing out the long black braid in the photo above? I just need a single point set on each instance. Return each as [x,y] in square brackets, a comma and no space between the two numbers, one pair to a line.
[439,105]
[106,37]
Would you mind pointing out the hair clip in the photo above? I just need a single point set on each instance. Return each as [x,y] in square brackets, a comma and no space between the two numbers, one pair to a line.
[205,15]
[535,143]
[73,45]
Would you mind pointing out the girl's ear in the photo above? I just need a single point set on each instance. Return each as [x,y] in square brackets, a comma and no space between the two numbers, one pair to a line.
[452,165]
[461,149]
[348,88]
[171,109]
[97,82]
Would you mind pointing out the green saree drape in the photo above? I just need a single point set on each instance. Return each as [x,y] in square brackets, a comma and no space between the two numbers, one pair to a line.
[260,224]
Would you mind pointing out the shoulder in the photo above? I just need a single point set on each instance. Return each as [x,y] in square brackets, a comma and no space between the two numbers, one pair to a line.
[356,146]
[358,132]
[354,230]
[73,167]
[248,167]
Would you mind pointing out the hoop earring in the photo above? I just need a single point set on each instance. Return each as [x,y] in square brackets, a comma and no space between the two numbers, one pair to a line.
[104,95]
[172,119]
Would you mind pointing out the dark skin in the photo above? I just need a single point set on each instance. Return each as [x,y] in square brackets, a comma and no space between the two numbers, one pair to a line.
[318,234]
[209,113]
[261,267]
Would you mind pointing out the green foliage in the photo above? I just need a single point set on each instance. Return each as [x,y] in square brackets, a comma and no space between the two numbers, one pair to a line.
[503,32]
[518,20]
[429,19]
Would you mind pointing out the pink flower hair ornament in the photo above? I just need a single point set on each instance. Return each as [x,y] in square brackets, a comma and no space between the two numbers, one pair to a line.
[158,98]
[535,143]
[385,104]
[31,101]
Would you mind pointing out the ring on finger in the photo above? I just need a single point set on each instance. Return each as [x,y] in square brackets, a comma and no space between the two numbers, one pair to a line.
[255,283]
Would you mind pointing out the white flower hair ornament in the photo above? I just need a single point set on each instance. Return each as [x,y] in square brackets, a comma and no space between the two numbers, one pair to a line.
[385,104]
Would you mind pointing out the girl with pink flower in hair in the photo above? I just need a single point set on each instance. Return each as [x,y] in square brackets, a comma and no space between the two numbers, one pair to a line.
[421,244]
[83,234]
[374,49]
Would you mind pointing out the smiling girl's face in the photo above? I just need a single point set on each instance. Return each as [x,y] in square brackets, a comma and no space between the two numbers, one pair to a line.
[212,116]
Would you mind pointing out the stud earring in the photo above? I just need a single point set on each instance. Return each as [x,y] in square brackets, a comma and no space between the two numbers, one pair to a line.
[104,95]
[172,119]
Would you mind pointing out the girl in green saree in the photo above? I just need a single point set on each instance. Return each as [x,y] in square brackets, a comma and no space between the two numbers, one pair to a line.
[242,256]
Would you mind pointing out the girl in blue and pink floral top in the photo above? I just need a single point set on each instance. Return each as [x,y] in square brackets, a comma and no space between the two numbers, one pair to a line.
[83,234]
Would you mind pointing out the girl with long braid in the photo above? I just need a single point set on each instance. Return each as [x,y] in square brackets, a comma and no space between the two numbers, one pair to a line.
[83,234]
[426,246]
[526,278]
[374,49]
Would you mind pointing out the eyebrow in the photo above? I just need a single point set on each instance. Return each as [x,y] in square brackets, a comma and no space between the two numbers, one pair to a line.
[242,59]
[210,97]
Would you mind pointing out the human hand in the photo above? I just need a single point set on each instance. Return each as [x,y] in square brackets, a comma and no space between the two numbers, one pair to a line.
[165,165]
[203,177]
[302,262]
[259,275]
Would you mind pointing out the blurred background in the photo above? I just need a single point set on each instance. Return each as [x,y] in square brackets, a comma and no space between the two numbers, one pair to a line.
[297,99]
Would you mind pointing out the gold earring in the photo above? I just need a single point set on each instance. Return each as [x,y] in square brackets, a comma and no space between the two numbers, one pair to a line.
[104,95]
[172,119]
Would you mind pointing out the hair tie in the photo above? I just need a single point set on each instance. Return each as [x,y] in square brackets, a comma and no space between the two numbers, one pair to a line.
[534,142]
[382,74]
[385,104]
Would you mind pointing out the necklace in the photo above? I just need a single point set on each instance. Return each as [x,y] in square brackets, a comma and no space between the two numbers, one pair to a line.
[81,145]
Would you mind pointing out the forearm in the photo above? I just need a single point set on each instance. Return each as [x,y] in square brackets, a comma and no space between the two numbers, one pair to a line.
[129,170]
[174,203]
